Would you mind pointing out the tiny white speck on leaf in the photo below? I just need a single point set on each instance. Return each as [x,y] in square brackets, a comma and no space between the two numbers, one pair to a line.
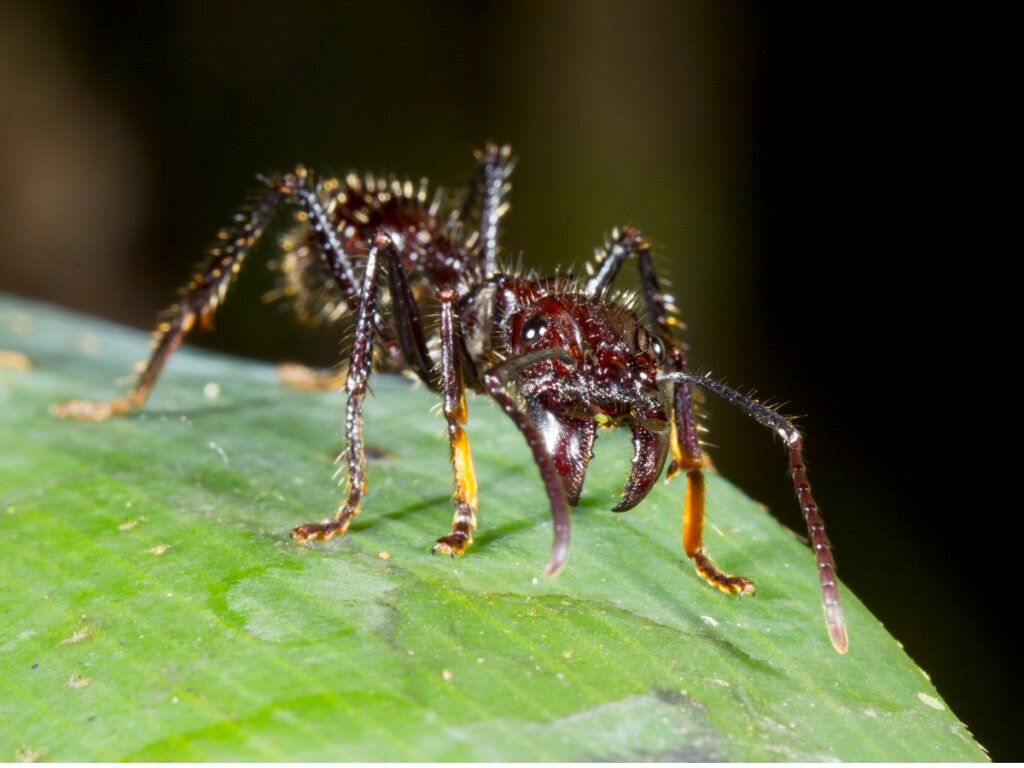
[159,549]
[211,391]
[447,675]
[709,621]
[931,701]
[88,344]
[220,451]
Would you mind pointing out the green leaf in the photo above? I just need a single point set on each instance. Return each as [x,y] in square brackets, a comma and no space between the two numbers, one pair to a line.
[153,607]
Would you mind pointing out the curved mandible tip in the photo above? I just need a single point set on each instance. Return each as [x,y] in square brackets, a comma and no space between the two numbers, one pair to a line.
[494,384]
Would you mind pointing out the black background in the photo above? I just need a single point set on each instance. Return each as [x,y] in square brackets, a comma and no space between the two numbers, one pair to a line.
[804,174]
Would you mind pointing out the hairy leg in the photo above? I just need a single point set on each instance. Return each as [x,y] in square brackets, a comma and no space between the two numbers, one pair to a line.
[199,301]
[684,443]
[356,385]
[489,187]
[688,456]
[453,390]
[815,525]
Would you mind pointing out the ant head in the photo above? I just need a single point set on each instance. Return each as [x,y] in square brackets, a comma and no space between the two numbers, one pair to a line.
[615,360]
[606,376]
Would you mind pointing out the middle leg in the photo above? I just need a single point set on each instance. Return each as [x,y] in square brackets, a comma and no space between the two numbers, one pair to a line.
[453,390]
[489,187]
[356,385]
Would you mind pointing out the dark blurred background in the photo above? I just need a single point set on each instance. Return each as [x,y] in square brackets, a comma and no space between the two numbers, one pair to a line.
[793,168]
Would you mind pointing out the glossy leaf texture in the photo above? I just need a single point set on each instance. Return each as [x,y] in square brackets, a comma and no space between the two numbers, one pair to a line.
[153,607]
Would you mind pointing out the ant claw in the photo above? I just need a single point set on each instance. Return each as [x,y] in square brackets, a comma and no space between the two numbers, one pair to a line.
[320,531]
[453,544]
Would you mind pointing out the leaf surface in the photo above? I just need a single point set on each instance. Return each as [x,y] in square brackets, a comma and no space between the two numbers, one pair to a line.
[153,607]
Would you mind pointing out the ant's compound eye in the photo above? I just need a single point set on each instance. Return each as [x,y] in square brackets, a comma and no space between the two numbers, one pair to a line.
[534,329]
[657,348]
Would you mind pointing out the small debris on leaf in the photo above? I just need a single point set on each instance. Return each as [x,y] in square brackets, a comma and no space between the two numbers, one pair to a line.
[29,755]
[77,681]
[78,636]
[14,361]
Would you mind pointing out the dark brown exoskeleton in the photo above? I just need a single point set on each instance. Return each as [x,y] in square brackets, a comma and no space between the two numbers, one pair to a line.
[560,356]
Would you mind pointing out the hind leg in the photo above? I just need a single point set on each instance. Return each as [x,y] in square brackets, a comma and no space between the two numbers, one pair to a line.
[199,302]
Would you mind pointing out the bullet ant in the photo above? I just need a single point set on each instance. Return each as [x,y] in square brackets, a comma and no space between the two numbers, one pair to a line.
[560,356]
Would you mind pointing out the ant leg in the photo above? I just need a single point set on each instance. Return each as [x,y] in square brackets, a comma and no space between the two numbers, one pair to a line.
[684,442]
[494,382]
[332,253]
[453,389]
[199,301]
[688,456]
[631,242]
[411,342]
[815,525]
[660,310]
[356,384]
[489,186]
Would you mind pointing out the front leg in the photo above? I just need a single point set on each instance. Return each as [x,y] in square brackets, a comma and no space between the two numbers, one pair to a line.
[688,456]
[464,521]
[812,516]
[356,384]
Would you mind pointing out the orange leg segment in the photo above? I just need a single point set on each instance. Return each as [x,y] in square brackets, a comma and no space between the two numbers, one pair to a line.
[693,529]
[688,456]
[453,389]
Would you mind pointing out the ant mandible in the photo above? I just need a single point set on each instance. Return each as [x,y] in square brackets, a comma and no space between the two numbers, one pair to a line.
[560,356]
